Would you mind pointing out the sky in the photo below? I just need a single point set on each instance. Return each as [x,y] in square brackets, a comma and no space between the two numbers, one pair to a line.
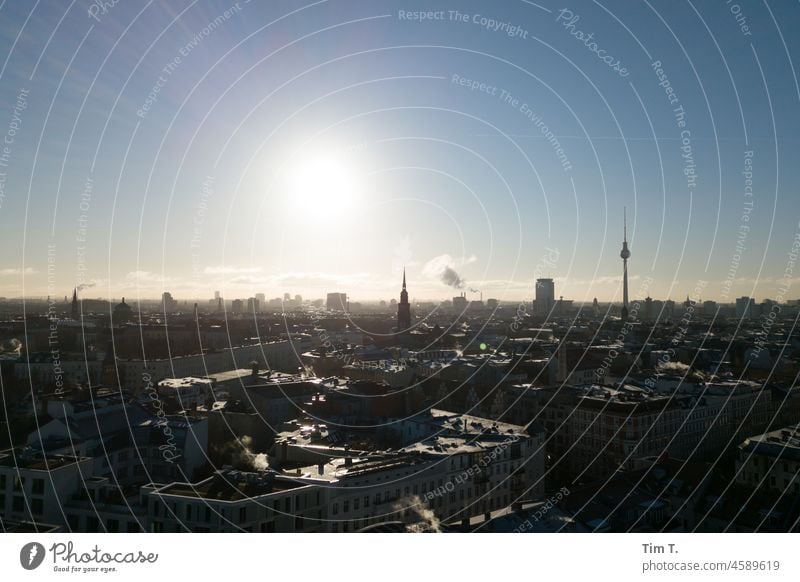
[312,147]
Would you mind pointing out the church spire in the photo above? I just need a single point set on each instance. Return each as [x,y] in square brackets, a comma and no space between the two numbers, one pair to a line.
[75,303]
[403,308]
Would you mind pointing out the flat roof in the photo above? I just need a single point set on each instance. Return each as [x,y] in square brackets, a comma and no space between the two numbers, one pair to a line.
[232,486]
[37,462]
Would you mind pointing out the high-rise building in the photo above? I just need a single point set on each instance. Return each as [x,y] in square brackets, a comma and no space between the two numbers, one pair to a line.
[168,304]
[744,307]
[262,299]
[625,255]
[216,295]
[237,305]
[545,296]
[336,302]
[403,308]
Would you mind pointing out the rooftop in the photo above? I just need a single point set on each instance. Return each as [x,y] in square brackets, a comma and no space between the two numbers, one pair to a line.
[36,461]
[783,443]
[229,485]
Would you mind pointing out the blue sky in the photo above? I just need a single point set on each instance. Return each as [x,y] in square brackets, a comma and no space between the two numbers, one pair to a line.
[204,186]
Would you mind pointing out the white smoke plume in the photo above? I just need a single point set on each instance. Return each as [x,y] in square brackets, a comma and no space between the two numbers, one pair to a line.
[418,517]
[443,268]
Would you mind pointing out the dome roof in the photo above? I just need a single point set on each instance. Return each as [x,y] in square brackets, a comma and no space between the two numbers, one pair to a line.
[122,306]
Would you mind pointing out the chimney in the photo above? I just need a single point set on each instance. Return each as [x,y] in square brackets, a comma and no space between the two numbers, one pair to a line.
[348,461]
[321,468]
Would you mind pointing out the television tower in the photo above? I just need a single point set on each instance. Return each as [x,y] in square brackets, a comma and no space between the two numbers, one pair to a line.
[625,255]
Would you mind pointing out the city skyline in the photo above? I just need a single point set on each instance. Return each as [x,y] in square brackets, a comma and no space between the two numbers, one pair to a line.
[706,201]
[399,266]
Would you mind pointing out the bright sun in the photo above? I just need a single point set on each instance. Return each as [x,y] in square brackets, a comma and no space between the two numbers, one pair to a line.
[322,187]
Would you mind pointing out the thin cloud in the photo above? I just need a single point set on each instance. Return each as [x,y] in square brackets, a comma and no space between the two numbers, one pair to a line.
[11,272]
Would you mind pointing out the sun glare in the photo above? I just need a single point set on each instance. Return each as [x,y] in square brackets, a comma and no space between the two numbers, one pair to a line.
[323,186]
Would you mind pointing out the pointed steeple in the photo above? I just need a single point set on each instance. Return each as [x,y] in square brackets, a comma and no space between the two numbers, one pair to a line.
[403,308]
[75,303]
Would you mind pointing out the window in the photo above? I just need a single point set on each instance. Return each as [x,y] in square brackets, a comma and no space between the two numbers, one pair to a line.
[38,486]
[242,514]
[356,503]
[346,506]
[18,504]
[37,506]
[366,500]
[335,510]
[113,525]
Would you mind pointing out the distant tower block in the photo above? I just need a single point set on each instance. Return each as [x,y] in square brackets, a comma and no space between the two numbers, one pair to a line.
[545,296]
[625,255]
